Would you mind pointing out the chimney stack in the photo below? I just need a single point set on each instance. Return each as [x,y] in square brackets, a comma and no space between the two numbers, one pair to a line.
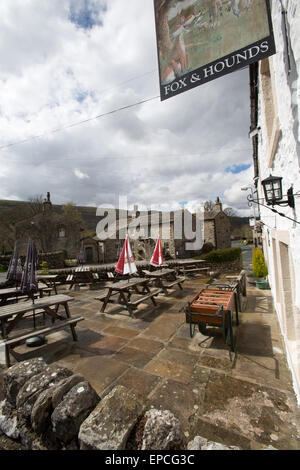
[218,205]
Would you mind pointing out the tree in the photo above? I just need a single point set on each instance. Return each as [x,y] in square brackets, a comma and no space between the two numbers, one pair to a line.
[72,215]
[72,222]
[35,204]
[209,206]
[230,212]
[258,263]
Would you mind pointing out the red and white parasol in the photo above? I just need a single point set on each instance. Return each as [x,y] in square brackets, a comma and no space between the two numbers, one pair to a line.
[126,263]
[157,257]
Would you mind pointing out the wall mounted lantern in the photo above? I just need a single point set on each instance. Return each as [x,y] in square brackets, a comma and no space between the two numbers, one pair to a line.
[273,192]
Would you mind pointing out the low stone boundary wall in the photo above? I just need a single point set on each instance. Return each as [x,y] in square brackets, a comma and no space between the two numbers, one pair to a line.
[55,260]
[102,270]
[47,407]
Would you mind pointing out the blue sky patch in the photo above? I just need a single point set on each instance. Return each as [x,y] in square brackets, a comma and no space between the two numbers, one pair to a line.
[237,168]
[86,13]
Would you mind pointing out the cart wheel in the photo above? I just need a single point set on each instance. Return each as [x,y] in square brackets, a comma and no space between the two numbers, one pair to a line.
[192,329]
[202,328]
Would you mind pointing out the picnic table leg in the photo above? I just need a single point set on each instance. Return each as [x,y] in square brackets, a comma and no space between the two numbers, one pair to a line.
[161,285]
[74,334]
[7,357]
[229,329]
[236,307]
[148,291]
[6,346]
[106,300]
[125,301]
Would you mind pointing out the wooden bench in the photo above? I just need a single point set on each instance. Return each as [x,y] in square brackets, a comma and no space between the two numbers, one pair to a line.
[16,340]
[16,299]
[174,283]
[103,295]
[12,315]
[195,270]
[135,303]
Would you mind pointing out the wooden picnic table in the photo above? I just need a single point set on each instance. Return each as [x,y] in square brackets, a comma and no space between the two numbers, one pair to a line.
[15,293]
[82,275]
[191,266]
[49,280]
[123,290]
[13,314]
[165,279]
[213,306]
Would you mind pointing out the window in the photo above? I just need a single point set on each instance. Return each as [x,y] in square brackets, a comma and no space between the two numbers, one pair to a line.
[61,232]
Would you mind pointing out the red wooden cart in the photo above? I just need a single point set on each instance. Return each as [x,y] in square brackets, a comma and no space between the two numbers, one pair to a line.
[213,306]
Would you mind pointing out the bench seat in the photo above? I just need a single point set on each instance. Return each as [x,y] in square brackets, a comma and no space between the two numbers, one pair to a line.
[103,295]
[145,297]
[174,283]
[43,331]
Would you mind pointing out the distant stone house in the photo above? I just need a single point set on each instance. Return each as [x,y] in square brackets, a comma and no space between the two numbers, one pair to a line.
[49,231]
[217,227]
[144,230]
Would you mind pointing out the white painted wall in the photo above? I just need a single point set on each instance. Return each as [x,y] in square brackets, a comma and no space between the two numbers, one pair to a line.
[286,163]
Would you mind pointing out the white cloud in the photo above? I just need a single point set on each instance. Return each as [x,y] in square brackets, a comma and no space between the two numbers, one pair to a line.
[55,73]
[80,175]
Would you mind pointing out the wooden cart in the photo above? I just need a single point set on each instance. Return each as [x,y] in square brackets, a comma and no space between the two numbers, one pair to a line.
[213,306]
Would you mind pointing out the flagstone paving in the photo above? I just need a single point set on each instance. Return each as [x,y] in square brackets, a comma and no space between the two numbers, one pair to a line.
[244,398]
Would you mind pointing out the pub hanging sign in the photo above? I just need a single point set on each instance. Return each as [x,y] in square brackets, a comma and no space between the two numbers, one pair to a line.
[201,40]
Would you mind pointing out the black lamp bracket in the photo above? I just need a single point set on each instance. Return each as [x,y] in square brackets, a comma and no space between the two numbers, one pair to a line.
[251,201]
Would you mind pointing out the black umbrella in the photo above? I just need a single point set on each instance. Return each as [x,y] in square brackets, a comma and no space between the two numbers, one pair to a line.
[29,284]
[119,251]
[81,255]
[14,272]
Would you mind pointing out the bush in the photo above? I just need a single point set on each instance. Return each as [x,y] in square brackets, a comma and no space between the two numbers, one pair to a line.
[71,263]
[222,256]
[3,269]
[258,263]
[44,268]
[207,247]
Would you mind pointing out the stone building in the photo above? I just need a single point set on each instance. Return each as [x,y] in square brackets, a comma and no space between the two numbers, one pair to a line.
[144,229]
[275,133]
[217,227]
[50,231]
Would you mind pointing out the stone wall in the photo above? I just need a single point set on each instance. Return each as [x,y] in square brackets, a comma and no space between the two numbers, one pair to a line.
[4,260]
[47,407]
[209,232]
[222,231]
[55,260]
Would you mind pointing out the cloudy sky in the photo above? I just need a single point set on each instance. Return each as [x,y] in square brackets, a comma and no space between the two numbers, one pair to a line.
[66,61]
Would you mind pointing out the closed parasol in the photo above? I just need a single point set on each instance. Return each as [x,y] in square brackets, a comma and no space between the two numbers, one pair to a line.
[157,256]
[29,284]
[126,263]
[14,272]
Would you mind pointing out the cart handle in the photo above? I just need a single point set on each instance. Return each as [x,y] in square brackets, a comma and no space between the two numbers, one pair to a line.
[183,308]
